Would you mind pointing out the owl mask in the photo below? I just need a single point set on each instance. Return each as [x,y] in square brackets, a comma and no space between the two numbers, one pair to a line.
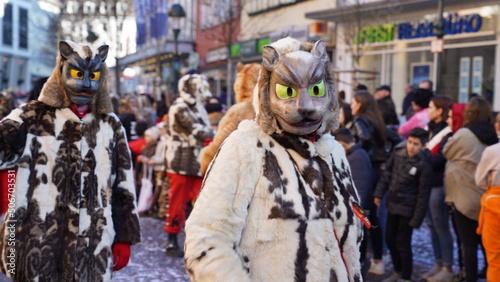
[80,77]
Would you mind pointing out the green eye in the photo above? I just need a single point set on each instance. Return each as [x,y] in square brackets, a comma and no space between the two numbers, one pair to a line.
[285,92]
[317,90]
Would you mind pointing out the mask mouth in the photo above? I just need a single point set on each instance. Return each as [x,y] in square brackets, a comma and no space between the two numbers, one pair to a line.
[306,122]
[80,93]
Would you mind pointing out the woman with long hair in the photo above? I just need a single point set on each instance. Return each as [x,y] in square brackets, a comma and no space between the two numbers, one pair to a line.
[368,128]
[438,214]
[463,151]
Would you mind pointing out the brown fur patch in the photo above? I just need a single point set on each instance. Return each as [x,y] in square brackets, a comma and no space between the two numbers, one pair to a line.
[246,81]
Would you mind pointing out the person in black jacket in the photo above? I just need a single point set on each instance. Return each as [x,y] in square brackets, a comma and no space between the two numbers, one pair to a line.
[406,182]
[361,170]
[438,214]
[369,130]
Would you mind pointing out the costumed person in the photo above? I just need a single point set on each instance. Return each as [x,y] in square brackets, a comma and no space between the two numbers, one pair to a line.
[243,109]
[74,215]
[277,200]
[487,177]
[188,128]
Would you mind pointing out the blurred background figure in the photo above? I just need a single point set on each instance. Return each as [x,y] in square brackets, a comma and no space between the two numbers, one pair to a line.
[463,152]
[243,109]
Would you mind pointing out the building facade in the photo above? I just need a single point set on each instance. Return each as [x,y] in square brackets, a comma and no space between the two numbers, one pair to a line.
[395,43]
[28,38]
[262,22]
[158,61]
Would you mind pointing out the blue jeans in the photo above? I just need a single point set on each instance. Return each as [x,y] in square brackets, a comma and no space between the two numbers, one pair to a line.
[438,218]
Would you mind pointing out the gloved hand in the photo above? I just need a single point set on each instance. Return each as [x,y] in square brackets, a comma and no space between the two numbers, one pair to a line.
[121,255]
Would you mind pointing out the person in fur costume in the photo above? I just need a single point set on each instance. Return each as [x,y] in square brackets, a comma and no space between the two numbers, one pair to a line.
[277,200]
[188,128]
[73,215]
[243,109]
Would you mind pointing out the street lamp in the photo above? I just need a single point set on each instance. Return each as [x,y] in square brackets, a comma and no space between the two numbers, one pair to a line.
[176,13]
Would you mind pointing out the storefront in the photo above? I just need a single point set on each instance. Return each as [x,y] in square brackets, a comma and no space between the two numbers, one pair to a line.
[395,42]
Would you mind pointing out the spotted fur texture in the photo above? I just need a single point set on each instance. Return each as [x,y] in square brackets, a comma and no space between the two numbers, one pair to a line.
[275,206]
[74,193]
[188,126]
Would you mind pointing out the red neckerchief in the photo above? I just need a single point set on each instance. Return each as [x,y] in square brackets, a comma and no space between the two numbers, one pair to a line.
[313,137]
[80,111]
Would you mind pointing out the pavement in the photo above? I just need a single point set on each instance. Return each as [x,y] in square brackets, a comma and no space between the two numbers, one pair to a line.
[149,262]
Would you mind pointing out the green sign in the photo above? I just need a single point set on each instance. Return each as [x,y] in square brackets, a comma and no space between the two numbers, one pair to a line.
[379,33]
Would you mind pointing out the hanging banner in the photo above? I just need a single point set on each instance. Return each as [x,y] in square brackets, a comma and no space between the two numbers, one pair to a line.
[157,11]
[140,18]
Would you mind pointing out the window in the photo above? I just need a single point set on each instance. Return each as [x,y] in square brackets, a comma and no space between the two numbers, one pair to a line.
[217,13]
[121,8]
[261,6]
[23,28]
[72,7]
[89,7]
[7,25]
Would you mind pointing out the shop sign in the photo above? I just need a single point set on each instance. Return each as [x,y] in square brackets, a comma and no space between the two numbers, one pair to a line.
[215,55]
[248,48]
[380,33]
[454,24]
[437,45]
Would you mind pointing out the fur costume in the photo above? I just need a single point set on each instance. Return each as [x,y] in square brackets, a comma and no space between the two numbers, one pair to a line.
[243,109]
[276,200]
[188,126]
[74,193]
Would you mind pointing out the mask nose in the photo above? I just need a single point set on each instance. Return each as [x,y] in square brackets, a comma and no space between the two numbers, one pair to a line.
[86,81]
[305,105]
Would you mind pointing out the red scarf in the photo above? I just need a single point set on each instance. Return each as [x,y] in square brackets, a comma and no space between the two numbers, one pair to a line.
[80,111]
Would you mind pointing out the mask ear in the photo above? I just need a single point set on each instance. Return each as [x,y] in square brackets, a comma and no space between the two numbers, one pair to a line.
[65,49]
[103,52]
[319,50]
[270,56]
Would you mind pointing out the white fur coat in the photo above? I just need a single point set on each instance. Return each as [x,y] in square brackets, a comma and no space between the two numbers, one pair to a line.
[275,208]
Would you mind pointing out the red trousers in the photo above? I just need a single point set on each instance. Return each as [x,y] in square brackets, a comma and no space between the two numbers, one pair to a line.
[182,189]
[489,228]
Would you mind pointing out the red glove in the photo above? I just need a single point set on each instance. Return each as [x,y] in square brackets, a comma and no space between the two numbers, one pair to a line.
[207,141]
[121,255]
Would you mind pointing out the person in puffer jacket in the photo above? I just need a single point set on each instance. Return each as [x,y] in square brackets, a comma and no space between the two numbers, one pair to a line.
[277,200]
[406,182]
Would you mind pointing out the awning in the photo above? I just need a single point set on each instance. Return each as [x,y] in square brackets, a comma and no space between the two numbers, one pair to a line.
[390,10]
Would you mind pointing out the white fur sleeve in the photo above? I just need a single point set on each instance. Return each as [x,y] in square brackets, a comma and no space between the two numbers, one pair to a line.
[214,228]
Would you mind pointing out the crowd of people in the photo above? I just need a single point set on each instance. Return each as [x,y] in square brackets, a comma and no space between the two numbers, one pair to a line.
[422,170]
[435,164]
[435,172]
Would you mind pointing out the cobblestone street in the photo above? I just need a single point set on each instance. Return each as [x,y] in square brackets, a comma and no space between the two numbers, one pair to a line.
[150,264]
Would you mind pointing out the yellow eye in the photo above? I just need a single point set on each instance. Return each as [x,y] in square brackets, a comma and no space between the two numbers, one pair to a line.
[285,92]
[95,75]
[76,73]
[317,90]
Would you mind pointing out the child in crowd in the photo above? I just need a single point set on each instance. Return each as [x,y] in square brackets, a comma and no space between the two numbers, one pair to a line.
[361,170]
[406,182]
